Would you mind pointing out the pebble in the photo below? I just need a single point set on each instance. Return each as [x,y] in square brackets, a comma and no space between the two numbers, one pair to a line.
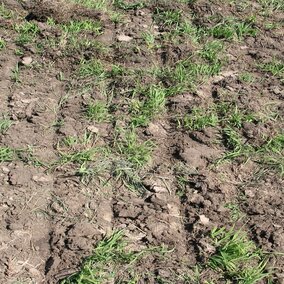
[27,60]
[204,220]
[93,129]
[124,38]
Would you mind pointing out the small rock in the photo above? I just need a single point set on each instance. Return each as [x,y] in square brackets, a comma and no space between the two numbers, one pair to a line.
[124,38]
[204,220]
[93,129]
[159,189]
[5,170]
[277,91]
[249,193]
[42,178]
[173,209]
[27,60]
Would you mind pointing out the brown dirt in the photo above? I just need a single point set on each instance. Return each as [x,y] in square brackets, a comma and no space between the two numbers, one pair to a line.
[50,220]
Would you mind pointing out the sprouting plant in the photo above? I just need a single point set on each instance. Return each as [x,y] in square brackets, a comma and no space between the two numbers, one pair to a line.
[198,119]
[27,32]
[152,105]
[97,111]
[275,67]
[237,257]
[135,152]
[108,261]
[5,125]
[7,154]
[91,68]
[2,43]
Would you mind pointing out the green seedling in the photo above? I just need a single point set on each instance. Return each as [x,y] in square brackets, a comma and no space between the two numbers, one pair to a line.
[211,50]
[246,77]
[82,44]
[27,32]
[232,140]
[27,156]
[91,68]
[199,119]
[125,172]
[117,71]
[125,6]
[168,17]
[149,39]
[274,145]
[190,30]
[109,260]
[5,124]
[116,17]
[276,68]
[151,106]
[88,173]
[237,257]
[136,153]
[97,111]
[19,52]
[230,115]
[98,4]
[71,141]
[186,74]
[75,27]
[235,211]
[5,13]
[77,157]
[15,77]
[2,43]
[7,154]
[274,163]
[230,29]
[272,5]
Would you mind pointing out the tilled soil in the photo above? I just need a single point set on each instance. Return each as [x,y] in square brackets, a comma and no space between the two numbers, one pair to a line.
[51,220]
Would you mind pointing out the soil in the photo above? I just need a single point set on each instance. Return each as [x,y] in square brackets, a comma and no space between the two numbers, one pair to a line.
[50,220]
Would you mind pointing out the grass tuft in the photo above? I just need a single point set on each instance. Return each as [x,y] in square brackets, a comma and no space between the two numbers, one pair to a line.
[5,124]
[136,153]
[110,262]
[237,257]
[97,111]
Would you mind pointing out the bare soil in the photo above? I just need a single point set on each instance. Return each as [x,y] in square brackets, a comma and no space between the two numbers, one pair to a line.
[50,220]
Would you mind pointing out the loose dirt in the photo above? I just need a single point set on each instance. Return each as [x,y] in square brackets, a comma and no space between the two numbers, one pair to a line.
[50,220]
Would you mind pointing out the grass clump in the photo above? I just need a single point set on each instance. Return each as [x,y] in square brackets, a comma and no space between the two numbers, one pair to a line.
[97,111]
[231,28]
[5,13]
[275,67]
[136,153]
[91,68]
[4,125]
[152,105]
[128,6]
[76,150]
[246,77]
[78,157]
[272,5]
[98,4]
[110,262]
[7,154]
[237,257]
[168,17]
[198,119]
[187,73]
[211,50]
[75,27]
[2,43]
[27,32]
